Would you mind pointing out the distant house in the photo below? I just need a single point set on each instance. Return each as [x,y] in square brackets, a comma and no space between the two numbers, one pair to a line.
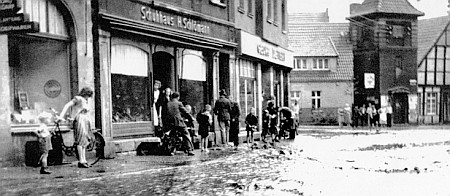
[433,74]
[322,78]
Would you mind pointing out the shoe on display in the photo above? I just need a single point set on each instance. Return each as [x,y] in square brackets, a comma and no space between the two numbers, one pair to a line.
[44,171]
[190,154]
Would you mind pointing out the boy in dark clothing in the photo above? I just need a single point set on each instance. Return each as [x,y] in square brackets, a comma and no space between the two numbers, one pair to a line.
[252,121]
[265,125]
[204,120]
[273,114]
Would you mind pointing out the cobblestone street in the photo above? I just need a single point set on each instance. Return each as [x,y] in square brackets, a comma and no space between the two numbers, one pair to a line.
[318,162]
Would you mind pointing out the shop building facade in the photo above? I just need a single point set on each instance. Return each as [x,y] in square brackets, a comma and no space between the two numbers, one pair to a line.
[187,46]
[263,62]
[42,70]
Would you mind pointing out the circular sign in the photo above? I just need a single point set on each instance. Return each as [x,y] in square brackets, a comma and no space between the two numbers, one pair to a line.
[52,88]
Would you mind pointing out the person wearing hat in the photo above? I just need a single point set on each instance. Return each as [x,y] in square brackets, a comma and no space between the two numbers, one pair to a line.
[222,109]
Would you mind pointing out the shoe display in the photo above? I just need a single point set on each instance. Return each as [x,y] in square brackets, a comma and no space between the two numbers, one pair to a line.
[190,154]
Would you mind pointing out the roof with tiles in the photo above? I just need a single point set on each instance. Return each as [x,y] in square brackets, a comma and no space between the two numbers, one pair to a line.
[384,6]
[429,32]
[304,39]
[309,17]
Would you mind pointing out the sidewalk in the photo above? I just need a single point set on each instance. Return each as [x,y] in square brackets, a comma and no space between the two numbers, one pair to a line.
[393,128]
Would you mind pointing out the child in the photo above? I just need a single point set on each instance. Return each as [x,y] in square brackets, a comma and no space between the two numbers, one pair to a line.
[265,125]
[189,120]
[251,120]
[204,120]
[45,142]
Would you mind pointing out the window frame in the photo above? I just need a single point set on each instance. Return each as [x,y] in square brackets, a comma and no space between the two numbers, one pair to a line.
[431,103]
[241,8]
[321,64]
[269,11]
[250,8]
[316,97]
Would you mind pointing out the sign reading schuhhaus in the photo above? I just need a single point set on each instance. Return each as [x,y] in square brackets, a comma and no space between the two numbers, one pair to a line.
[11,22]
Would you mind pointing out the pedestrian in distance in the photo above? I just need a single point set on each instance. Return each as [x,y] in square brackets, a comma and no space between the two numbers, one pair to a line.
[45,142]
[389,115]
[370,119]
[265,125]
[79,106]
[204,120]
[273,116]
[222,108]
[189,120]
[251,121]
[363,115]
[234,123]
[355,117]
[156,109]
[162,107]
[382,117]
[175,122]
[348,115]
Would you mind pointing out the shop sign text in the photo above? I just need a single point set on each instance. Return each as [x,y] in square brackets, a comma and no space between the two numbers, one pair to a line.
[159,17]
[11,22]
[270,52]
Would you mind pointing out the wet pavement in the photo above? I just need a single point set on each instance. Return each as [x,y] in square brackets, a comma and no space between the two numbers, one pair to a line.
[330,161]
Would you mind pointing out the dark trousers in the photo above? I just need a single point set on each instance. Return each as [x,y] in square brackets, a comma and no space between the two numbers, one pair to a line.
[389,120]
[234,131]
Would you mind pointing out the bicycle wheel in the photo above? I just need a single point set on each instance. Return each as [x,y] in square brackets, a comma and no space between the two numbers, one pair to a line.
[96,145]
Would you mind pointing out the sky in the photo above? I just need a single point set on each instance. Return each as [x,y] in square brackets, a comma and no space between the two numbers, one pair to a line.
[339,9]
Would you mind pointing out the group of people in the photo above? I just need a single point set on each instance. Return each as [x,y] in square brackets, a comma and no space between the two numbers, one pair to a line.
[371,116]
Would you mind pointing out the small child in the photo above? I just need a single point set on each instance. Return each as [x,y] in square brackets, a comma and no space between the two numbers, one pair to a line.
[252,121]
[204,120]
[189,120]
[45,142]
[265,125]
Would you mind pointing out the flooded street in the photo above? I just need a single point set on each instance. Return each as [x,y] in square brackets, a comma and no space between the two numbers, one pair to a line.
[325,162]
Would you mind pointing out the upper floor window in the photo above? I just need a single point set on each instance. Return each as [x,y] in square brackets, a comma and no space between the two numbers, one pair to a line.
[220,3]
[247,69]
[300,64]
[398,34]
[320,64]
[269,10]
[283,15]
[295,95]
[46,13]
[241,6]
[275,12]
[250,8]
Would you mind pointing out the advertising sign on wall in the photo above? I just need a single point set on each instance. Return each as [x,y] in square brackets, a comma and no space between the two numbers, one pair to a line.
[13,22]
[369,80]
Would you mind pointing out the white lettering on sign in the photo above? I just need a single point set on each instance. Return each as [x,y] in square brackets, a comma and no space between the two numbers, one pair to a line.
[16,27]
[156,16]
[18,18]
[7,6]
[6,1]
[270,52]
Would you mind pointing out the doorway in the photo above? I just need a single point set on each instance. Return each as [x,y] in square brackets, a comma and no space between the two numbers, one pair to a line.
[163,69]
[446,107]
[400,108]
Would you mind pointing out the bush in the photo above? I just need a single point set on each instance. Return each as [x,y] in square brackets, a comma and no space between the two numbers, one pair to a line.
[320,117]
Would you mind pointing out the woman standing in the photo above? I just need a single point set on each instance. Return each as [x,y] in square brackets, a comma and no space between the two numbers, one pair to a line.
[156,111]
[81,122]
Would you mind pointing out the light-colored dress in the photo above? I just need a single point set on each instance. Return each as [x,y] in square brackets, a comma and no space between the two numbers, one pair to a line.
[82,122]
[155,113]
[383,116]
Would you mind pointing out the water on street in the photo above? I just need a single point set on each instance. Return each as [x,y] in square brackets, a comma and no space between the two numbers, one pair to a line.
[317,162]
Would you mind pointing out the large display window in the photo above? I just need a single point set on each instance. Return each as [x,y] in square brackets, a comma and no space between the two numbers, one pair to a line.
[39,64]
[247,89]
[129,84]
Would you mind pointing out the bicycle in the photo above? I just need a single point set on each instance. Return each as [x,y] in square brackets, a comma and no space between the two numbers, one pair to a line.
[96,143]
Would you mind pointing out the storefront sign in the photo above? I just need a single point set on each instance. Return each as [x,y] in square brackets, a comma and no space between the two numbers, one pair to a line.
[10,6]
[11,22]
[23,27]
[155,16]
[52,88]
[254,46]
[369,80]
[12,19]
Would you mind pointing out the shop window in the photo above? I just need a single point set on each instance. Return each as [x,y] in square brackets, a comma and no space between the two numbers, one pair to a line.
[193,84]
[247,89]
[300,64]
[320,64]
[431,103]
[129,84]
[39,68]
[46,13]
[315,96]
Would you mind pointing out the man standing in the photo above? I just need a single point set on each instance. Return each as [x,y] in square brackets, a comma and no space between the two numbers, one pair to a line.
[222,109]
[234,123]
[175,121]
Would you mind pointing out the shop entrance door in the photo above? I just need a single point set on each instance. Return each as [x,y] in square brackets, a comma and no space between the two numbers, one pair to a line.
[446,107]
[400,108]
[163,69]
